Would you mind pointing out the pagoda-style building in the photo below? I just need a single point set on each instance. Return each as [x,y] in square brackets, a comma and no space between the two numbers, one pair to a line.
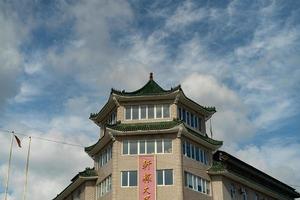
[153,146]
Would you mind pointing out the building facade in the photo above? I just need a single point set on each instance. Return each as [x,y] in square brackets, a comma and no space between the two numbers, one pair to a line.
[153,146]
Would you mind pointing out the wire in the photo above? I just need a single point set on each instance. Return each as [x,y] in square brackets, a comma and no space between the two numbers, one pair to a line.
[43,138]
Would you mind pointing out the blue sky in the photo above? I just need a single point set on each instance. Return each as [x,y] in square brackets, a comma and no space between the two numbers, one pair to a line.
[59,60]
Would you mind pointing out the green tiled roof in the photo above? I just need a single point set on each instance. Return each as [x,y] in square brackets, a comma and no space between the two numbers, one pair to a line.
[150,88]
[217,167]
[86,173]
[160,126]
[145,126]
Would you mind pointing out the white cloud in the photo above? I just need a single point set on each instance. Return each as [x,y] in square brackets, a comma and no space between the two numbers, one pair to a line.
[231,120]
[278,157]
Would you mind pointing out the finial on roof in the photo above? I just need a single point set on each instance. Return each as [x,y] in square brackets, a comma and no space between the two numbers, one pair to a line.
[151,76]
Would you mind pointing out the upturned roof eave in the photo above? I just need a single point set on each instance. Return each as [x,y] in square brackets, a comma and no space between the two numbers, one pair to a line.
[73,185]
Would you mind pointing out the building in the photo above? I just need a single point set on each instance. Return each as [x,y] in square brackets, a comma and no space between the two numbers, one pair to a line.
[153,145]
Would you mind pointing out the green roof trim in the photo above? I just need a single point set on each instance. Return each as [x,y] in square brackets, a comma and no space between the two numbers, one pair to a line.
[216,167]
[88,172]
[145,126]
[160,126]
[150,88]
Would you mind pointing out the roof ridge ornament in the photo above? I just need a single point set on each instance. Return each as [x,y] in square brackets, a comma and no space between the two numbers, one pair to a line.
[151,76]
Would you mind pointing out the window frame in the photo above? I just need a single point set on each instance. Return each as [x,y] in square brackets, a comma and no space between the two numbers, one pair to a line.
[128,179]
[164,177]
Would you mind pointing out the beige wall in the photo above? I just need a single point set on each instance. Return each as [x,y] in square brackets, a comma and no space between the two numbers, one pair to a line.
[163,161]
[221,189]
[196,168]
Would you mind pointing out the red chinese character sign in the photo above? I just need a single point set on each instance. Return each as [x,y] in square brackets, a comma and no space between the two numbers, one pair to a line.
[147,178]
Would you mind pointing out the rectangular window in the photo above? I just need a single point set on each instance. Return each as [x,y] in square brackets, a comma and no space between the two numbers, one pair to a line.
[104,156]
[192,151]
[125,147]
[133,147]
[125,179]
[129,178]
[132,178]
[167,146]
[104,187]
[168,177]
[192,121]
[188,149]
[197,183]
[197,154]
[166,110]
[128,112]
[159,177]
[159,146]
[188,118]
[150,146]
[183,115]
[135,112]
[142,146]
[143,112]
[158,111]
[164,177]
[150,111]
[179,114]
[196,122]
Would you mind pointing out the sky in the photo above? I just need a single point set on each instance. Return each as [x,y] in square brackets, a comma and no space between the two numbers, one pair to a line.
[60,59]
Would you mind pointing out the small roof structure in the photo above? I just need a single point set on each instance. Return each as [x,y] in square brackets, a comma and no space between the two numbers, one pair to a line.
[150,91]
[230,166]
[89,174]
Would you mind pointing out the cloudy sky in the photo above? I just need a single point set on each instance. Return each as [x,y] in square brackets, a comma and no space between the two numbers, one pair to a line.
[59,59]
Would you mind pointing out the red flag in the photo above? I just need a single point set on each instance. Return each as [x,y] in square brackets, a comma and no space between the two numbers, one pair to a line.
[18,141]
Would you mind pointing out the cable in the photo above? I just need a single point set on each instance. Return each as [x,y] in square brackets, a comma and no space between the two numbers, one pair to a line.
[42,138]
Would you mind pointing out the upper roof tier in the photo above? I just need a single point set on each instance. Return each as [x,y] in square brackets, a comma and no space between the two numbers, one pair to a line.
[151,91]
[150,88]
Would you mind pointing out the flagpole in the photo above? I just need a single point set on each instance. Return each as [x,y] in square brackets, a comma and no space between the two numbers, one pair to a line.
[9,163]
[26,170]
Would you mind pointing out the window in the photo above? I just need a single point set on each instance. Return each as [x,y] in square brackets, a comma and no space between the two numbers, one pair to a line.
[125,146]
[112,118]
[134,147]
[166,111]
[150,146]
[189,118]
[142,146]
[232,191]
[129,178]
[164,177]
[158,111]
[167,145]
[104,187]
[179,113]
[104,156]
[244,194]
[197,183]
[194,152]
[159,146]
[127,112]
[141,112]
[150,111]
[135,112]
[256,197]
